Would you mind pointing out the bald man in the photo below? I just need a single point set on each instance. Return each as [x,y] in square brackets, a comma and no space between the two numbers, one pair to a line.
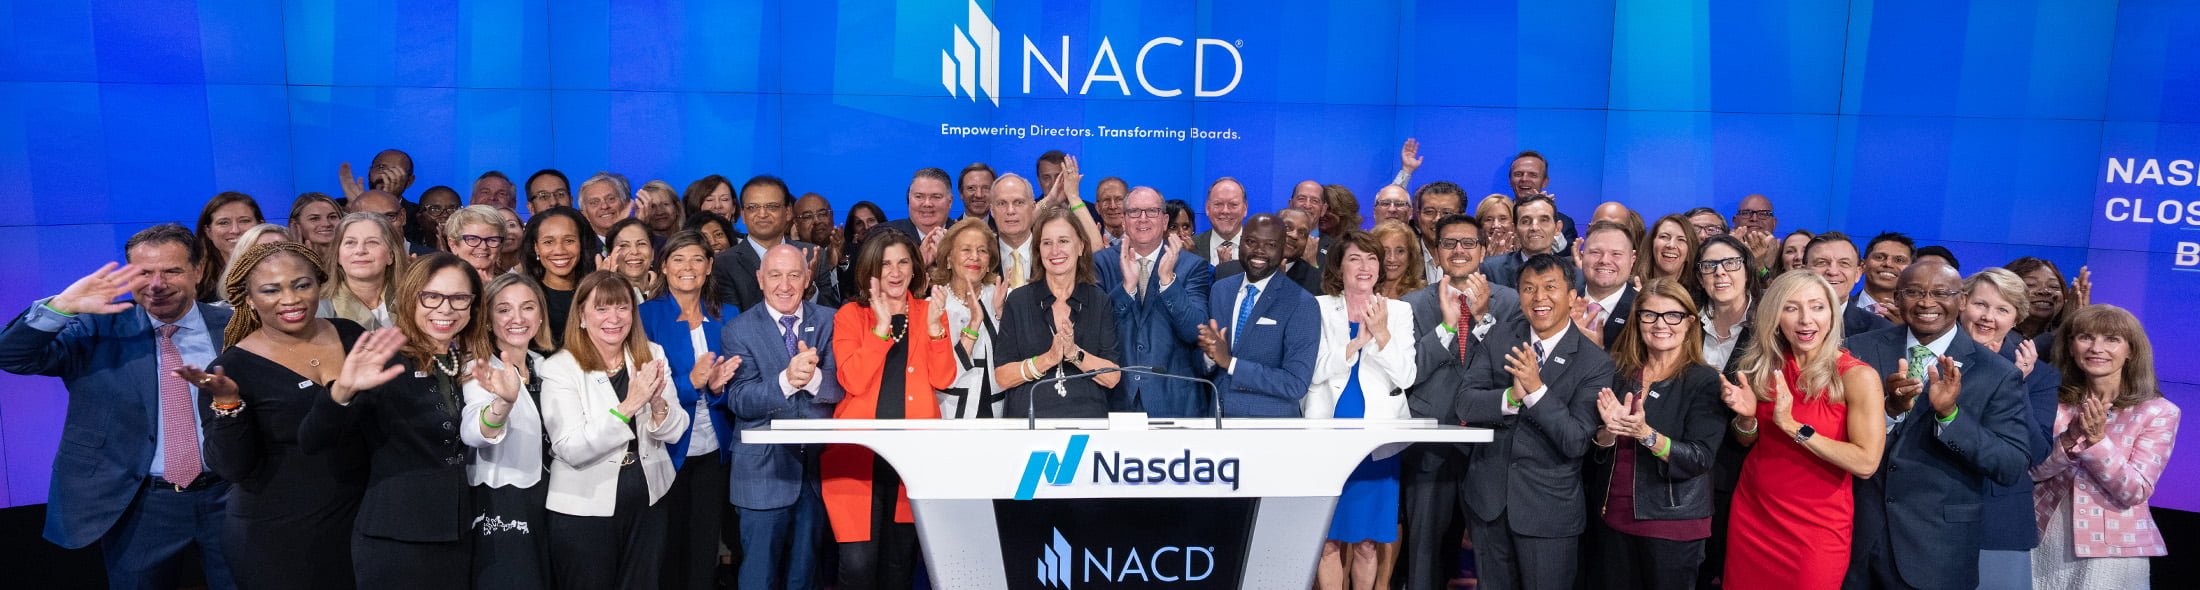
[1756,213]
[391,208]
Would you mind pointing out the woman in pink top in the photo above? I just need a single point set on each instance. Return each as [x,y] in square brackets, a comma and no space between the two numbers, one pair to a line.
[2113,434]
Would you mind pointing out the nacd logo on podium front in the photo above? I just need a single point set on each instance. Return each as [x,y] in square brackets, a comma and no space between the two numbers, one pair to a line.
[1063,566]
[1113,468]
[971,64]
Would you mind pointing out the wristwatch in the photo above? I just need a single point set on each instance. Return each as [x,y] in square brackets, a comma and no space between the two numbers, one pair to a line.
[1803,434]
[1650,441]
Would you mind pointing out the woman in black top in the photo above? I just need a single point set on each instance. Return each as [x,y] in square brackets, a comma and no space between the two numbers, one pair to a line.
[1649,475]
[413,525]
[290,518]
[1058,324]
[558,255]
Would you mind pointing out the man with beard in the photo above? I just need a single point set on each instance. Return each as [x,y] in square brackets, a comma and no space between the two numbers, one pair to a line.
[1261,339]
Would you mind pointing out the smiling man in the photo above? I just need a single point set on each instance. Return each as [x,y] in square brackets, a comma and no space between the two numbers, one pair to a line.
[1536,222]
[1956,418]
[1225,213]
[1261,338]
[1608,257]
[1884,258]
[765,204]
[1159,293]
[1834,258]
[1535,387]
[786,371]
[604,201]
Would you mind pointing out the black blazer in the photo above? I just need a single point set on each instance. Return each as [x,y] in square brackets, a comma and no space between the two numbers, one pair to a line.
[1299,271]
[1504,269]
[1855,320]
[416,474]
[1726,471]
[733,274]
[1687,410]
[1027,329]
[1621,316]
[1928,497]
[2009,512]
[1531,468]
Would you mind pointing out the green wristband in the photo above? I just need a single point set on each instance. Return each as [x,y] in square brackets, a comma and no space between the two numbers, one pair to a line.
[1951,416]
[51,309]
[485,419]
[622,417]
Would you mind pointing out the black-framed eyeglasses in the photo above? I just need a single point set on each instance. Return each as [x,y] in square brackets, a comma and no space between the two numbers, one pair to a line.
[1937,294]
[540,195]
[457,301]
[1752,213]
[1394,203]
[1671,318]
[1733,264]
[474,241]
[438,209]
[756,207]
[1456,243]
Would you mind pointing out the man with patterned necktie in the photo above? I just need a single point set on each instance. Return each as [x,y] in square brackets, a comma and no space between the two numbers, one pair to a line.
[1261,338]
[1013,210]
[129,473]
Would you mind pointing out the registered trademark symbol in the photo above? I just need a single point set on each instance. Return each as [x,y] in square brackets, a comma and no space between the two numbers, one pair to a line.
[1241,44]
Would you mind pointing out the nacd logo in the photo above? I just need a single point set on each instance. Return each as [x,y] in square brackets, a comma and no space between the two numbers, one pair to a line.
[1060,565]
[971,65]
[1114,468]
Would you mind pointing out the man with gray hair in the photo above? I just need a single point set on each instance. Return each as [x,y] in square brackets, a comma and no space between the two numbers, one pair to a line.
[606,198]
[1159,292]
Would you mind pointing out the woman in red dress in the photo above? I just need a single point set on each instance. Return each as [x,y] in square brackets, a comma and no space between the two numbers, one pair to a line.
[1792,509]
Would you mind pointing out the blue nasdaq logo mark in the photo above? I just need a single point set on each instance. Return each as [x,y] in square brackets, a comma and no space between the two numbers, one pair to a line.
[1056,469]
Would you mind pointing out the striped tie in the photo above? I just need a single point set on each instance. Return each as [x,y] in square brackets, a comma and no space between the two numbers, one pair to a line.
[179,433]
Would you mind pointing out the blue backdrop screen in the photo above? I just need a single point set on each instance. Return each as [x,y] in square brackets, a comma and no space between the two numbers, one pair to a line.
[1998,129]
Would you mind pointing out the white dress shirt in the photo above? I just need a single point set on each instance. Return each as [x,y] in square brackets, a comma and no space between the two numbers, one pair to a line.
[703,439]
[1216,241]
[1547,344]
[788,389]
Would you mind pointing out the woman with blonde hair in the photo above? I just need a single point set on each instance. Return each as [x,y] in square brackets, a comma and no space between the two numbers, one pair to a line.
[363,277]
[265,233]
[1402,260]
[477,234]
[2113,436]
[312,220]
[1496,214]
[1793,508]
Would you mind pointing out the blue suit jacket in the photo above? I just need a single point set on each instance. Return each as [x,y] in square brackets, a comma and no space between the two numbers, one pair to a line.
[2009,512]
[109,366]
[661,321]
[1274,355]
[1928,497]
[770,476]
[1161,332]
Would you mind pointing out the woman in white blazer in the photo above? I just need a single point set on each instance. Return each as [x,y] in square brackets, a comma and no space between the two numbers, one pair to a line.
[608,423]
[504,427]
[1365,364]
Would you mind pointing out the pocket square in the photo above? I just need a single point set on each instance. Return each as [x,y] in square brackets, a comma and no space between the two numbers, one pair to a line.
[1265,322]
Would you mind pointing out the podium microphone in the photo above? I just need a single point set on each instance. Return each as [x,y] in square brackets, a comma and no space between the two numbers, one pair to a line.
[1031,415]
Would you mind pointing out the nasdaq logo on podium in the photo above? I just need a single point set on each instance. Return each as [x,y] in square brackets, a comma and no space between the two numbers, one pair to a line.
[1114,468]
[971,64]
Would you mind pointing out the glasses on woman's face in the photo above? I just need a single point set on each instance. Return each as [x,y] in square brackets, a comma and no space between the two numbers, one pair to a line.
[474,241]
[457,301]
[1733,264]
[1671,318]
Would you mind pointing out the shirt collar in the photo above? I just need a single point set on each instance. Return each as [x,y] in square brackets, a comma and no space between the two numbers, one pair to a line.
[1939,346]
[1551,344]
[1262,284]
[776,315]
[191,322]
[759,247]
[1611,302]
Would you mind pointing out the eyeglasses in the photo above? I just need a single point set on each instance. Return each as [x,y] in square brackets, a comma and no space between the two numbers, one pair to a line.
[392,216]
[1435,213]
[755,207]
[813,216]
[1710,266]
[1456,243]
[1394,203]
[1143,212]
[541,195]
[457,301]
[438,209]
[1671,318]
[474,241]
[1752,213]
[1936,294]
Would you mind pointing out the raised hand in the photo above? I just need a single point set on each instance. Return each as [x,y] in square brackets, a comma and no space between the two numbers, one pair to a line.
[936,325]
[1947,385]
[1762,247]
[1526,370]
[1587,320]
[2082,287]
[1376,325]
[503,383]
[351,184]
[931,246]
[2092,420]
[96,292]
[803,367]
[1409,156]
[1167,266]
[368,366]
[1901,388]
[1611,411]
[880,311]
[1783,403]
[1215,342]
[1738,395]
[1129,263]
[216,385]
[2027,356]
[1069,180]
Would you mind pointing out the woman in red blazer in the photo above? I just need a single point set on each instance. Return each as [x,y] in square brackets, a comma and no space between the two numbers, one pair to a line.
[890,367]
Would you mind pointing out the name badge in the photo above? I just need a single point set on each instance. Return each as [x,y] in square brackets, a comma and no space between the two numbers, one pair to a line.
[809,328]
[1558,359]
[1654,394]
[420,374]
[305,384]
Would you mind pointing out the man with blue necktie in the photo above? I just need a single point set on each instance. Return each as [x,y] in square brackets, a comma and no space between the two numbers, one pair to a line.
[129,473]
[1262,339]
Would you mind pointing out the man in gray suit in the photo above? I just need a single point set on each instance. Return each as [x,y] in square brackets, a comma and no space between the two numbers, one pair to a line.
[785,372]
[1535,385]
[1449,319]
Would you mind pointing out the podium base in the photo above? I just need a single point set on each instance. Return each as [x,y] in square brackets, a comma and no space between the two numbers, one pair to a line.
[1192,543]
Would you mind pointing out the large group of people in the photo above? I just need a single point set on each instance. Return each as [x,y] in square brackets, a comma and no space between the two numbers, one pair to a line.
[546,384]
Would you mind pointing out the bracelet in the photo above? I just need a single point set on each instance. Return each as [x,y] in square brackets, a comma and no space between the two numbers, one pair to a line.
[1510,400]
[622,417]
[886,338]
[485,419]
[969,332]
[1075,205]
[228,411]
[1662,448]
[1031,370]
[1751,431]
[51,309]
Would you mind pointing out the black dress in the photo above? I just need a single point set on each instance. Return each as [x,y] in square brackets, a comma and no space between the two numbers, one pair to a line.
[290,516]
[558,305]
[1027,330]
[414,528]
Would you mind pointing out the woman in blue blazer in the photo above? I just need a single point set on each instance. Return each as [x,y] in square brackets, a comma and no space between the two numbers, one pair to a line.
[686,320]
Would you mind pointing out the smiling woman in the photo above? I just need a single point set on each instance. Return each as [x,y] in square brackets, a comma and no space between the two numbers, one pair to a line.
[557,256]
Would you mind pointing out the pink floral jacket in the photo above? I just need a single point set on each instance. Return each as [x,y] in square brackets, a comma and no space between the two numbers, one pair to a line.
[2106,487]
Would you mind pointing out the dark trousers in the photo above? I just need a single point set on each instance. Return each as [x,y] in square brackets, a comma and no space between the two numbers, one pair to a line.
[889,560]
[145,547]
[693,507]
[389,563]
[1506,560]
[1876,570]
[1431,513]
[1714,549]
[787,535]
[1630,562]
[618,551]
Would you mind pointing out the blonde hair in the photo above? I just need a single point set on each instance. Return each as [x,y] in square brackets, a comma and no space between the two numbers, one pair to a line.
[2005,283]
[339,297]
[943,265]
[472,215]
[1493,200]
[251,237]
[1820,376]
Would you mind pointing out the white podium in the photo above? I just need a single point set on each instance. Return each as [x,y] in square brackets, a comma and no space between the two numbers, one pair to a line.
[1124,501]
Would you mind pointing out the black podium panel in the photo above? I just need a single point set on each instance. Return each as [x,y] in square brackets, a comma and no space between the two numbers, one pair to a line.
[1192,543]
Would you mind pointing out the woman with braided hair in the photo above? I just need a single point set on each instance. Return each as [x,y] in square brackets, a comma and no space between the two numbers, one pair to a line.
[291,514]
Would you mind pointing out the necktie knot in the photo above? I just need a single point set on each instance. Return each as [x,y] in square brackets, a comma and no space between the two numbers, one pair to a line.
[168,331]
[786,330]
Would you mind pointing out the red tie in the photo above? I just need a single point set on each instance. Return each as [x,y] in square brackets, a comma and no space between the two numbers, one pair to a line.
[179,433]
[1466,321]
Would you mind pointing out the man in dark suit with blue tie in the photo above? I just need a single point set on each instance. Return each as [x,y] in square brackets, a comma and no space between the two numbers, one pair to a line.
[1262,339]
[786,372]
[1834,257]
[1918,523]
[1159,293]
[129,473]
[1535,386]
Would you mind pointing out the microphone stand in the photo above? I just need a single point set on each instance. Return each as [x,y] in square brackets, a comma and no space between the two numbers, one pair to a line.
[1031,415]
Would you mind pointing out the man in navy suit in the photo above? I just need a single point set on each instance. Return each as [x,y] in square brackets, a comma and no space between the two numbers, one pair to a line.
[930,199]
[1918,523]
[1262,338]
[1834,257]
[769,209]
[1159,294]
[1535,218]
[785,372]
[1608,257]
[1535,386]
[129,473]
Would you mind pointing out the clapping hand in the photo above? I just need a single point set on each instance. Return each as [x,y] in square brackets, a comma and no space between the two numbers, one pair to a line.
[1526,369]
[1738,395]
[1586,320]
[711,371]
[1128,262]
[931,247]
[1901,388]
[2082,287]
[2027,356]
[1214,340]
[1761,247]
[96,292]
[936,324]
[368,366]
[1376,325]
[1227,252]
[351,184]
[1947,385]
[216,385]
[1167,268]
[803,367]
[2092,420]
[1783,404]
[881,311]
[1623,416]
[649,380]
